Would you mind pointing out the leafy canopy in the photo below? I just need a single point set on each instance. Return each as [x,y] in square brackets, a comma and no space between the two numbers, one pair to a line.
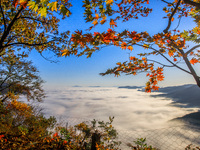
[173,45]
[19,77]
[30,24]
[33,24]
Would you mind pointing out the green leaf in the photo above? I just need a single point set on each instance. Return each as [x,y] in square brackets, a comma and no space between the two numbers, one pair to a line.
[64,11]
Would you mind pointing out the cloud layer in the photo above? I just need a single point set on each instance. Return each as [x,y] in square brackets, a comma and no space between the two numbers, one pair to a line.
[132,109]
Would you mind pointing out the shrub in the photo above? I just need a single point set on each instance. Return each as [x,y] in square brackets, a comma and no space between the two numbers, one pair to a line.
[24,127]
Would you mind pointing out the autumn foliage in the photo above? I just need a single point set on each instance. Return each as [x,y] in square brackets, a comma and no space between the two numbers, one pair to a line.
[27,25]
[173,45]
[23,126]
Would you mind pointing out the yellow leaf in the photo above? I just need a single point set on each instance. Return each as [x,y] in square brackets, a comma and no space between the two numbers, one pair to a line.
[53,6]
[108,2]
[31,4]
[146,46]
[22,1]
[95,22]
[97,16]
[64,52]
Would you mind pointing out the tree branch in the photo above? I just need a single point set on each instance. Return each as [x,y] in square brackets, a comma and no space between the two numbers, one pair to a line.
[160,63]
[166,2]
[166,59]
[193,48]
[170,18]
[192,3]
[20,43]
[8,86]
[48,59]
[35,19]
[4,21]
[3,100]
[4,80]
[7,31]
[178,23]
[185,58]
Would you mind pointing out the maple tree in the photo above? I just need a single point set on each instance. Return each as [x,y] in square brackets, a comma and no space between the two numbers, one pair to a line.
[173,45]
[33,24]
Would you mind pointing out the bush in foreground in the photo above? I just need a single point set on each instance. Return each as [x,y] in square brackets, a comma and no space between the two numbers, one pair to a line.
[25,127]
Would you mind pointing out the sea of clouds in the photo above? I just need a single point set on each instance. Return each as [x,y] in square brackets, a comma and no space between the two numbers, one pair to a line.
[137,114]
[131,108]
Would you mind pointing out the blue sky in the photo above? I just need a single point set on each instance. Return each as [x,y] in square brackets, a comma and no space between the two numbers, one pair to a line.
[81,71]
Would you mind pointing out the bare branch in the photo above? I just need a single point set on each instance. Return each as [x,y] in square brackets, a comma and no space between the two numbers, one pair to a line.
[167,2]
[8,86]
[52,61]
[178,23]
[160,63]
[193,48]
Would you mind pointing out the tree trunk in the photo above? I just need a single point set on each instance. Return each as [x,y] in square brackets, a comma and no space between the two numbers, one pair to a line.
[95,140]
[196,77]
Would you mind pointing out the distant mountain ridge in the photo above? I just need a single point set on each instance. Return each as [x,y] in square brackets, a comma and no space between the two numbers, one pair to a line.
[130,87]
[183,96]
[188,94]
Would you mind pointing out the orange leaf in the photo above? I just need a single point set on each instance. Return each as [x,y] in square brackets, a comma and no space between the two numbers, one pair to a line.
[15,2]
[96,33]
[112,23]
[132,58]
[123,45]
[193,61]
[130,48]
[170,53]
[191,53]
[96,16]
[55,135]
[155,87]
[118,63]
[95,22]
[143,58]
[160,77]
